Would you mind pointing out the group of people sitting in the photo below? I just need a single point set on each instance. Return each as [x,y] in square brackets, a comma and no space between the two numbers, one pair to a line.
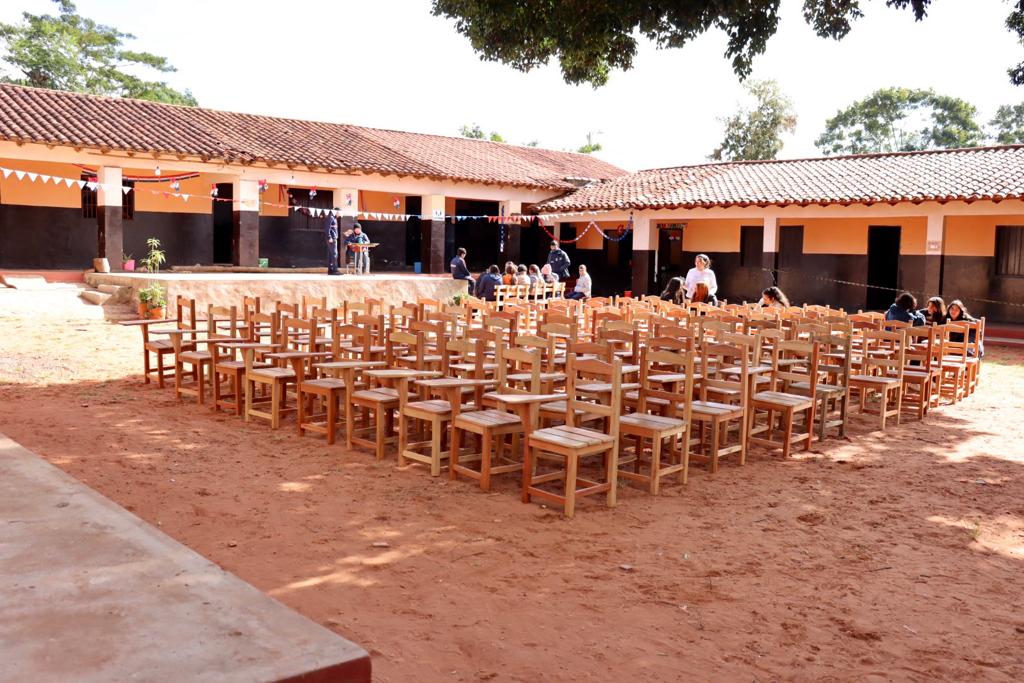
[935,312]
[699,286]
[555,270]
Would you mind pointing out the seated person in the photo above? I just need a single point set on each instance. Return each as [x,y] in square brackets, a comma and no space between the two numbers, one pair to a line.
[957,313]
[548,275]
[584,286]
[904,309]
[534,272]
[509,278]
[459,269]
[487,285]
[522,277]
[675,291]
[935,312]
[773,297]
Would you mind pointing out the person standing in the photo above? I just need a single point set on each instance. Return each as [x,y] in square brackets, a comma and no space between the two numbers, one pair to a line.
[459,269]
[558,260]
[331,233]
[584,285]
[361,254]
[701,273]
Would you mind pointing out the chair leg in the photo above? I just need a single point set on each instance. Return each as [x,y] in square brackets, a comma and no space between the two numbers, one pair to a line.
[332,416]
[787,435]
[300,412]
[145,365]
[713,453]
[403,438]
[453,452]
[571,464]
[381,433]
[655,465]
[436,428]
[275,405]
[486,445]
[160,369]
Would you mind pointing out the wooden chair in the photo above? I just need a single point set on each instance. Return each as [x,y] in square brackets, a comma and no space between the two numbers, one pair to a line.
[229,364]
[494,425]
[782,399]
[922,375]
[311,387]
[833,391]
[184,319]
[721,417]
[272,378]
[882,373]
[571,445]
[200,359]
[669,377]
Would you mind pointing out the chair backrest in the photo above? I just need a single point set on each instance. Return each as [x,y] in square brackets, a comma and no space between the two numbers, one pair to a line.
[374,325]
[309,302]
[265,327]
[519,361]
[221,323]
[406,344]
[583,371]
[545,346]
[472,351]
[299,333]
[805,369]
[399,317]
[956,340]
[185,313]
[716,357]
[596,349]
[657,362]
[923,344]
[884,351]
[348,339]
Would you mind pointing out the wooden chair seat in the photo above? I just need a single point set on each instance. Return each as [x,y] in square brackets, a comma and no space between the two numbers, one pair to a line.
[544,376]
[235,365]
[874,380]
[571,437]
[158,345]
[715,409]
[433,407]
[781,400]
[486,418]
[379,395]
[325,383]
[428,358]
[469,367]
[274,373]
[195,356]
[633,396]
[650,424]
[822,388]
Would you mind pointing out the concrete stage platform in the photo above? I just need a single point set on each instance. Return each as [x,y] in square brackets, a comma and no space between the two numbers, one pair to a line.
[92,593]
[229,288]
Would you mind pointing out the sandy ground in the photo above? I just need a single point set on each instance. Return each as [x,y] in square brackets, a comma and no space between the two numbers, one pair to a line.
[893,556]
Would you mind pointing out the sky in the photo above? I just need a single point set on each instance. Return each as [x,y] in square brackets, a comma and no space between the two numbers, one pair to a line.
[391,64]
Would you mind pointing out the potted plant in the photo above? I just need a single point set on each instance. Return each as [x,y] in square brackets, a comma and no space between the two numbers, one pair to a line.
[156,256]
[145,296]
[127,262]
[157,302]
[458,299]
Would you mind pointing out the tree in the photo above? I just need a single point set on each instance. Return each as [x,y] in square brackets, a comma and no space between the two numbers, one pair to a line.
[71,52]
[477,133]
[757,133]
[1007,127]
[591,146]
[589,39]
[901,120]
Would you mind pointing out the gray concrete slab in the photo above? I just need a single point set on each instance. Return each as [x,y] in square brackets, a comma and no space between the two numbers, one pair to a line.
[89,592]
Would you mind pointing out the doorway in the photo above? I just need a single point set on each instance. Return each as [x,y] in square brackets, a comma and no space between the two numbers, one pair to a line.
[223,224]
[670,255]
[883,266]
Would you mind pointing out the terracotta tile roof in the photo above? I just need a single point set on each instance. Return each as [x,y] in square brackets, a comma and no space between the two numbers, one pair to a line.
[942,175]
[64,118]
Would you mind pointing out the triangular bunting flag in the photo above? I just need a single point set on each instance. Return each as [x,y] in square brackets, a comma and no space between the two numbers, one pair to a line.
[20,174]
[185,197]
[32,176]
[80,183]
[92,185]
[69,181]
[45,177]
[5,171]
[125,189]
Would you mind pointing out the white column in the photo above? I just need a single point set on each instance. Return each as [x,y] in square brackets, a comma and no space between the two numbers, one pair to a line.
[347,200]
[109,192]
[771,234]
[936,234]
[109,227]
[433,225]
[645,234]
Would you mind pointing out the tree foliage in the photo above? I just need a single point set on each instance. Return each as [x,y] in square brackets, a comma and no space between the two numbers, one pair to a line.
[71,52]
[756,133]
[901,120]
[476,133]
[1007,127]
[590,38]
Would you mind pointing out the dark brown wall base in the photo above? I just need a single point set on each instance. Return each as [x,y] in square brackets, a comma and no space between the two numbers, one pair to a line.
[45,237]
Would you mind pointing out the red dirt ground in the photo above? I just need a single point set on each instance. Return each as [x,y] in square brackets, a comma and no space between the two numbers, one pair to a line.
[894,556]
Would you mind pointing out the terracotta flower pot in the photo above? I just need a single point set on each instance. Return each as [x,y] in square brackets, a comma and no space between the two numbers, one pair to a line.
[129,265]
[156,314]
[143,310]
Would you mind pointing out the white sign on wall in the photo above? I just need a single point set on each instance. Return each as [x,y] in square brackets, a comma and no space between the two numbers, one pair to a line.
[438,215]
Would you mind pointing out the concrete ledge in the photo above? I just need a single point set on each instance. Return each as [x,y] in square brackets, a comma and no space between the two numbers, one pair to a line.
[92,593]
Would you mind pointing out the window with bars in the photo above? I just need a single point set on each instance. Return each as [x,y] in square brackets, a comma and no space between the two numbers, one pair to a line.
[88,198]
[1010,250]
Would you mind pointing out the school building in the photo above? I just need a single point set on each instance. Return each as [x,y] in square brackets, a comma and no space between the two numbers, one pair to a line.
[849,231]
[84,176]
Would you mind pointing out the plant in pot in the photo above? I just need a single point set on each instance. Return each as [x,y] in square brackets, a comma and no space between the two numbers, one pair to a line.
[127,262]
[156,256]
[157,302]
[145,296]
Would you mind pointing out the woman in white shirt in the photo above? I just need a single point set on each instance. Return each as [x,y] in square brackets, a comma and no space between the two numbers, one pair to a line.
[701,273]
[583,286]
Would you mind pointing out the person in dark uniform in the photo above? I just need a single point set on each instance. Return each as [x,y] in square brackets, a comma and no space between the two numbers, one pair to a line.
[331,233]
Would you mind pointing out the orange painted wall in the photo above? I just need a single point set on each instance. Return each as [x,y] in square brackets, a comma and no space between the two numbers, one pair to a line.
[383,202]
[714,235]
[275,194]
[975,235]
[158,196]
[850,235]
[26,192]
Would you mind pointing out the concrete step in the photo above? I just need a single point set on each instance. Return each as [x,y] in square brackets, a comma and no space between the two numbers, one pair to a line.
[109,289]
[24,281]
[95,297]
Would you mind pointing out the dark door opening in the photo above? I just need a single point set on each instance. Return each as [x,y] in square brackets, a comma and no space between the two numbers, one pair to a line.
[478,236]
[883,266]
[223,224]
[670,255]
